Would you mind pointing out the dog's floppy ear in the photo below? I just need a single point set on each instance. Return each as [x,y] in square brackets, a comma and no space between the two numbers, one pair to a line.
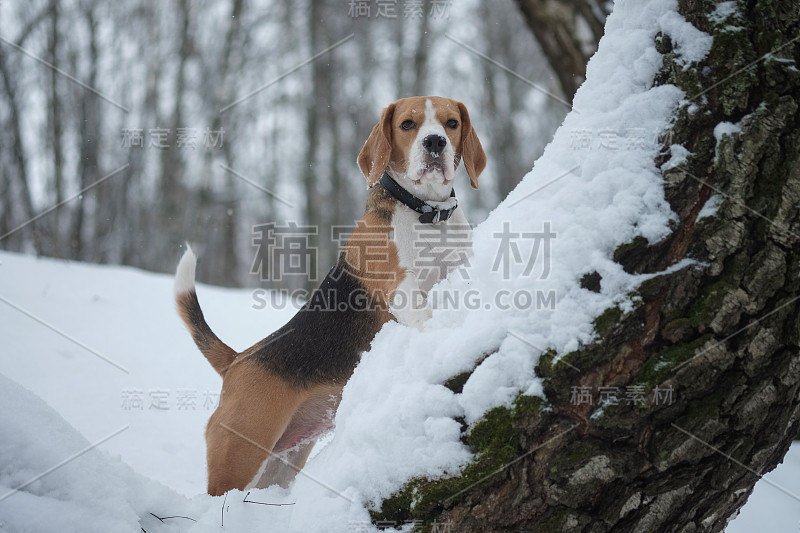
[471,149]
[374,156]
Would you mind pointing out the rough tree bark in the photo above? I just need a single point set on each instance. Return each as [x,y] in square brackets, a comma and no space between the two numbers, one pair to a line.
[724,337]
[568,32]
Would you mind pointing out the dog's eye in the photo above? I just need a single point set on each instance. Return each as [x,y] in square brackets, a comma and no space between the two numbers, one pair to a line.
[452,124]
[408,125]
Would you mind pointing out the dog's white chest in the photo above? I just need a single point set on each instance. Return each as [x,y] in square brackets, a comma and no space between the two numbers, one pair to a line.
[431,251]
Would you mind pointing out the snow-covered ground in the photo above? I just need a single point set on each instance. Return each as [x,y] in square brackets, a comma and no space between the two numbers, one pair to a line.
[143,371]
[103,348]
[75,399]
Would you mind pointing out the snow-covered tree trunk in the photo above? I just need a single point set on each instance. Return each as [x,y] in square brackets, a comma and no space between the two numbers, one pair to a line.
[717,345]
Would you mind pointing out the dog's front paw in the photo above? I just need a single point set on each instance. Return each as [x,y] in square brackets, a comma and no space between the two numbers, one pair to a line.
[417,317]
[409,312]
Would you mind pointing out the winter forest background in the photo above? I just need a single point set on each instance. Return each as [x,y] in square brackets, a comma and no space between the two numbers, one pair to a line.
[129,128]
[196,121]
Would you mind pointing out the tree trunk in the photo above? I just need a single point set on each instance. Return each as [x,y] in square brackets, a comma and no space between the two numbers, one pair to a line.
[224,205]
[88,127]
[421,56]
[313,215]
[172,186]
[56,130]
[557,26]
[136,221]
[723,339]
[20,172]
[505,96]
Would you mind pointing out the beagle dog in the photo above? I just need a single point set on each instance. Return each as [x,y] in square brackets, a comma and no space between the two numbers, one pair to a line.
[281,394]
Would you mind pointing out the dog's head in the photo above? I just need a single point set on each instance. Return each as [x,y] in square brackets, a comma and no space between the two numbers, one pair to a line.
[420,141]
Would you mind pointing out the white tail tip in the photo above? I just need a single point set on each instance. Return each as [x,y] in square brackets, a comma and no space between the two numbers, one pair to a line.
[184,276]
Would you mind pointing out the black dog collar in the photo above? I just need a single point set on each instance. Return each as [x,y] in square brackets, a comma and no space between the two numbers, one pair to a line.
[428,214]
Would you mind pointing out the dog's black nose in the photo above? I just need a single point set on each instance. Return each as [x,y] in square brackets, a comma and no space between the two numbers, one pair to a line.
[434,143]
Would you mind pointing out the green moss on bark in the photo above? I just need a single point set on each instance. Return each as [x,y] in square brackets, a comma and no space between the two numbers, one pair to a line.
[706,306]
[604,323]
[494,440]
[661,364]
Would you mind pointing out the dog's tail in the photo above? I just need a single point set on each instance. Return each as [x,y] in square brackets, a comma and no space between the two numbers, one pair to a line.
[219,354]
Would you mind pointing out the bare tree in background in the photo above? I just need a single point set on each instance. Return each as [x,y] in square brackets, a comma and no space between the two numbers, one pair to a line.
[505,96]
[568,32]
[18,202]
[174,66]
